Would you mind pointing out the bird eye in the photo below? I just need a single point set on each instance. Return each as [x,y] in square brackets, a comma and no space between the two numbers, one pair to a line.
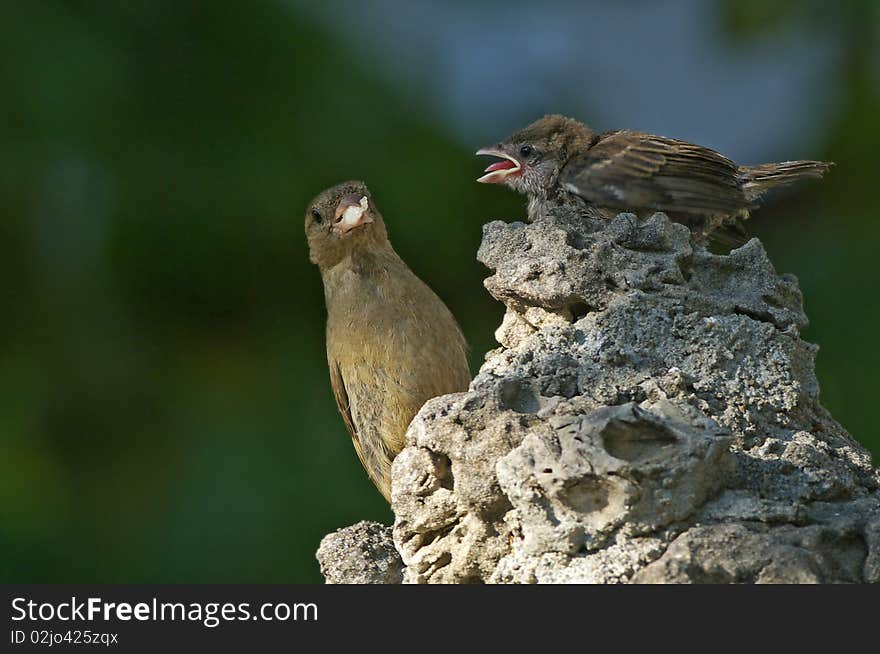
[526,150]
[316,215]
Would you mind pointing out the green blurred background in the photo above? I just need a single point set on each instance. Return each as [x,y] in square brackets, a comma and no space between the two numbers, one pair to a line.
[166,412]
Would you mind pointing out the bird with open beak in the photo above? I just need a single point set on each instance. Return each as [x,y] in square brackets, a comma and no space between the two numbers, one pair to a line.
[558,160]
[391,342]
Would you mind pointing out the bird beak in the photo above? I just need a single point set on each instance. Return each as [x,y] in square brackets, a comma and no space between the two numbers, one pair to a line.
[497,172]
[350,213]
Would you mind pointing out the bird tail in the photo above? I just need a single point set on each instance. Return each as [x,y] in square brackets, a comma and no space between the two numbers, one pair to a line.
[756,180]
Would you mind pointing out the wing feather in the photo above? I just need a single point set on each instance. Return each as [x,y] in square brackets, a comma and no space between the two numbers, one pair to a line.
[344,405]
[633,170]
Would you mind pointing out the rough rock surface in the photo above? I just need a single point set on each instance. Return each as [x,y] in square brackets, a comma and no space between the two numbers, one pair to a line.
[651,416]
[361,554]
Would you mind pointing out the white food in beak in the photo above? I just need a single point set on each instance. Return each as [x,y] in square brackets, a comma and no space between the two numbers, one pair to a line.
[354,215]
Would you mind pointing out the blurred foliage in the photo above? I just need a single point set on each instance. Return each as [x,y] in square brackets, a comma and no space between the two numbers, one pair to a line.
[166,413]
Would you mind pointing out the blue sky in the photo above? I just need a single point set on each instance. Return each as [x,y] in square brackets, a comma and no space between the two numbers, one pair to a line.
[485,69]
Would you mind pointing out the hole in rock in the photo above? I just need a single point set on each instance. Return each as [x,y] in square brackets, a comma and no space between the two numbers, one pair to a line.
[632,441]
[517,395]
[578,310]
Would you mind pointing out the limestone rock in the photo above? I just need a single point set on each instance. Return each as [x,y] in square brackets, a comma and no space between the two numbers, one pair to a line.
[651,416]
[360,554]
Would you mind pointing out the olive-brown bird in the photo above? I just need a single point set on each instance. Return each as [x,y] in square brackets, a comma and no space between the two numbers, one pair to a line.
[558,160]
[391,342]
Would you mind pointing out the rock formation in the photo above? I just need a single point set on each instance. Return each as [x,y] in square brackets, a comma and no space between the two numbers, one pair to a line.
[650,416]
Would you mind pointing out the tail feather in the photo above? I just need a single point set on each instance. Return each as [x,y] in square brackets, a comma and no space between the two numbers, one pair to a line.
[756,180]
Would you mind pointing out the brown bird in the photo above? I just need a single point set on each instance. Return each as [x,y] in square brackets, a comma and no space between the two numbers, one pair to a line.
[391,342]
[558,160]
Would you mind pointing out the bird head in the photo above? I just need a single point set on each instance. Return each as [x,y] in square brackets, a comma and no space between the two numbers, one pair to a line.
[530,159]
[340,220]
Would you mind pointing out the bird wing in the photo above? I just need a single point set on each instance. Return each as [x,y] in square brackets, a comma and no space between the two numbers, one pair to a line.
[633,170]
[344,405]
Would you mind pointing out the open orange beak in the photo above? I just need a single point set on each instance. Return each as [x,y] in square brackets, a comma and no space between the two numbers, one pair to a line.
[497,172]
